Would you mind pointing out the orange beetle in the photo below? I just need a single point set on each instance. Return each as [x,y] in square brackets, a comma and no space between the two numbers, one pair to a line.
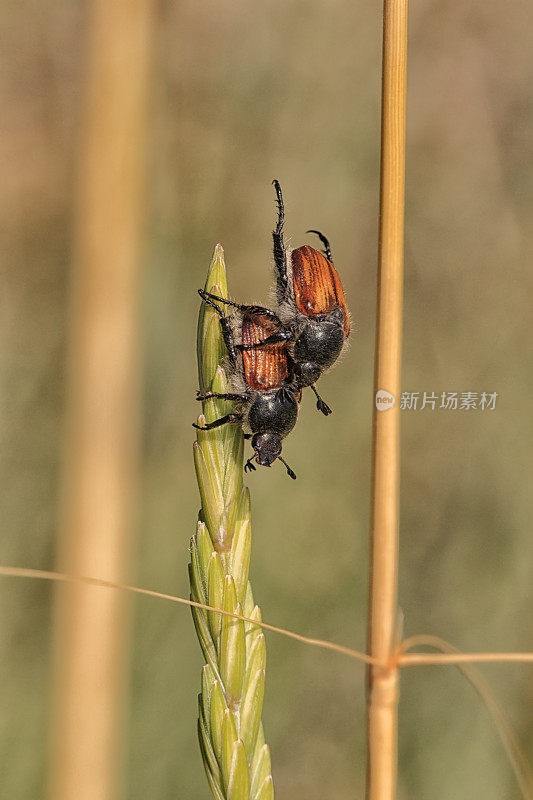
[261,374]
[311,304]
[316,283]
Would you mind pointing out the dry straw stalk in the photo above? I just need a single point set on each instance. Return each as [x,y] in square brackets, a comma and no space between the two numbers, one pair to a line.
[236,758]
[383,681]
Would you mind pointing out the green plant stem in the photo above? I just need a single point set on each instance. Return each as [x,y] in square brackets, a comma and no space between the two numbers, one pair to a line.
[236,758]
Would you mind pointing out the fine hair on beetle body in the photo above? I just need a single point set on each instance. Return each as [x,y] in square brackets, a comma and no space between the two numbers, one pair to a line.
[259,368]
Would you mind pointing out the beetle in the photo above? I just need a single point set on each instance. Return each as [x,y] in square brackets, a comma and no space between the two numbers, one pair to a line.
[311,305]
[313,316]
[261,374]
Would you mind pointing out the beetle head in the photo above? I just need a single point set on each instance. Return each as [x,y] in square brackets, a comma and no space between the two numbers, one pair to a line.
[267,447]
[306,373]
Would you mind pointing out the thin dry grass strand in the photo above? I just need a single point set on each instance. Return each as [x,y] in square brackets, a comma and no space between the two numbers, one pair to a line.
[450,657]
[403,659]
[41,574]
[508,737]
[457,658]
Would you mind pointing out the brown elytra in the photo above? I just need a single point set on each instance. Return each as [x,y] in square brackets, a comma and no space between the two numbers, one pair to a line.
[317,286]
[264,367]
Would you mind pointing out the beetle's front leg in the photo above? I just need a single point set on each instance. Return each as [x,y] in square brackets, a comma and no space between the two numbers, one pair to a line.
[218,422]
[249,466]
[227,333]
[275,338]
[242,398]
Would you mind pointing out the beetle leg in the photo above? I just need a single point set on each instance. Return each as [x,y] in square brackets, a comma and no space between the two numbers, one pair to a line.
[280,256]
[218,422]
[267,312]
[227,333]
[327,248]
[320,404]
[208,296]
[249,466]
[221,396]
[280,336]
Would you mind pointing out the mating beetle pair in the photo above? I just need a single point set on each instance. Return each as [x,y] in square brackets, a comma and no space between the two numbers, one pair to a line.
[274,356]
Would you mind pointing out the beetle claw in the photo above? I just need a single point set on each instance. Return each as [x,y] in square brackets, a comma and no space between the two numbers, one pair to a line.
[323,407]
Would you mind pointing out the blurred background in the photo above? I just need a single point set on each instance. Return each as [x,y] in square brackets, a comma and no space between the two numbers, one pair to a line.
[239,94]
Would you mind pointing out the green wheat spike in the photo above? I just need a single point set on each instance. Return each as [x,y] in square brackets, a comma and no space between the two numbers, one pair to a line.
[232,743]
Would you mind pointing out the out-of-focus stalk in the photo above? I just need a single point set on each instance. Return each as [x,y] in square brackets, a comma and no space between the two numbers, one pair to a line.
[102,443]
[236,758]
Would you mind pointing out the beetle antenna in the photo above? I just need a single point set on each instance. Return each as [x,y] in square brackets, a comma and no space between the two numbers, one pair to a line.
[290,473]
[327,250]
[320,404]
